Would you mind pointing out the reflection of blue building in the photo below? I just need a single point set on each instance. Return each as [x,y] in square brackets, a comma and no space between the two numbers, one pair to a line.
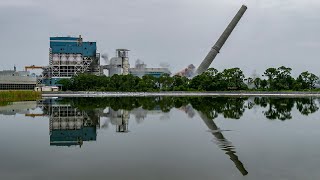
[69,126]
[72,137]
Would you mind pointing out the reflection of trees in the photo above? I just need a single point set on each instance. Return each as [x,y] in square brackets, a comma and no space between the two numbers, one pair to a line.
[232,108]
[280,108]
[307,106]
[229,107]
[128,103]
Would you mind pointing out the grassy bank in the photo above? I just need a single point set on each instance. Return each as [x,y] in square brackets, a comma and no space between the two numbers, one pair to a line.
[11,96]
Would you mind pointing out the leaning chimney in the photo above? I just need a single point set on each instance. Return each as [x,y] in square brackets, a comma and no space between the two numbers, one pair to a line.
[223,38]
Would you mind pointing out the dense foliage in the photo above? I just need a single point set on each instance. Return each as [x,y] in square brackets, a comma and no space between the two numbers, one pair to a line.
[274,79]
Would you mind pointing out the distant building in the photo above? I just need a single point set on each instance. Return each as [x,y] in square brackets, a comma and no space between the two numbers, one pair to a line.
[156,72]
[17,80]
[142,70]
[69,56]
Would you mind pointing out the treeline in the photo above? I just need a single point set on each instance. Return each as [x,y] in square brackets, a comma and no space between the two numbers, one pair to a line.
[274,79]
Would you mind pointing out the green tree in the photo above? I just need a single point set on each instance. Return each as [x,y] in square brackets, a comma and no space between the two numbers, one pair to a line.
[257,83]
[66,84]
[283,80]
[271,73]
[234,79]
[307,80]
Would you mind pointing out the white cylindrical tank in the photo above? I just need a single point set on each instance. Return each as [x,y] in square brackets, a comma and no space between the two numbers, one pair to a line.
[55,125]
[78,124]
[64,125]
[63,59]
[71,59]
[78,57]
[71,125]
[55,57]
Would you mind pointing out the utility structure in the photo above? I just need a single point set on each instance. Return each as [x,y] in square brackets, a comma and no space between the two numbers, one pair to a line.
[119,64]
[69,56]
[218,45]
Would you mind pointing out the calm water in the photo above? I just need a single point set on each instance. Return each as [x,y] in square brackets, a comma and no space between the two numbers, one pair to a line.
[161,138]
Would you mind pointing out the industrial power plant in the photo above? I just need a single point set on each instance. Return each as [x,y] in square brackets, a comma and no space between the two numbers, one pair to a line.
[70,56]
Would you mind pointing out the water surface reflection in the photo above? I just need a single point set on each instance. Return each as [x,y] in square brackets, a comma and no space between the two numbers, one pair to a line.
[73,121]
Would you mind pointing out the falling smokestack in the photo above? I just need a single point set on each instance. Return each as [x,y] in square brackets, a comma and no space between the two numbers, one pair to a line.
[223,38]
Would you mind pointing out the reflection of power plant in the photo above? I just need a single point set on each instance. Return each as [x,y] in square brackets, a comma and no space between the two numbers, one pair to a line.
[119,118]
[68,125]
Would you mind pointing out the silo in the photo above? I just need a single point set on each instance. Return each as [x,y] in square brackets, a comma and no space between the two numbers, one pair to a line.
[55,59]
[71,124]
[125,66]
[63,124]
[56,125]
[78,58]
[79,124]
[63,59]
[123,54]
[71,59]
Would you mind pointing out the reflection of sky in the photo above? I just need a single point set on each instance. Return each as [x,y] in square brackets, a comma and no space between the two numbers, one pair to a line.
[178,148]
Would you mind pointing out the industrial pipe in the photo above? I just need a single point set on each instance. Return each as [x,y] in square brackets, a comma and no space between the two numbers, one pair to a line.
[223,38]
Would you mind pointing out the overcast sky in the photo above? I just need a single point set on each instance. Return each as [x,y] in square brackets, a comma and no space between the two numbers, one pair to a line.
[180,32]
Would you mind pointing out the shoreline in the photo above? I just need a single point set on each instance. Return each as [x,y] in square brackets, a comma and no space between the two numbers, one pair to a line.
[18,95]
[182,94]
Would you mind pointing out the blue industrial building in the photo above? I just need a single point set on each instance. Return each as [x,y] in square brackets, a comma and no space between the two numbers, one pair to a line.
[72,45]
[69,56]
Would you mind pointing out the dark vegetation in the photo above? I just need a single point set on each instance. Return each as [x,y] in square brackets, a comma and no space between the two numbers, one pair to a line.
[274,79]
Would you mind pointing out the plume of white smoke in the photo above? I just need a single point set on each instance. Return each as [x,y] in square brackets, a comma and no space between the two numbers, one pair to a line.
[140,64]
[105,57]
[164,65]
